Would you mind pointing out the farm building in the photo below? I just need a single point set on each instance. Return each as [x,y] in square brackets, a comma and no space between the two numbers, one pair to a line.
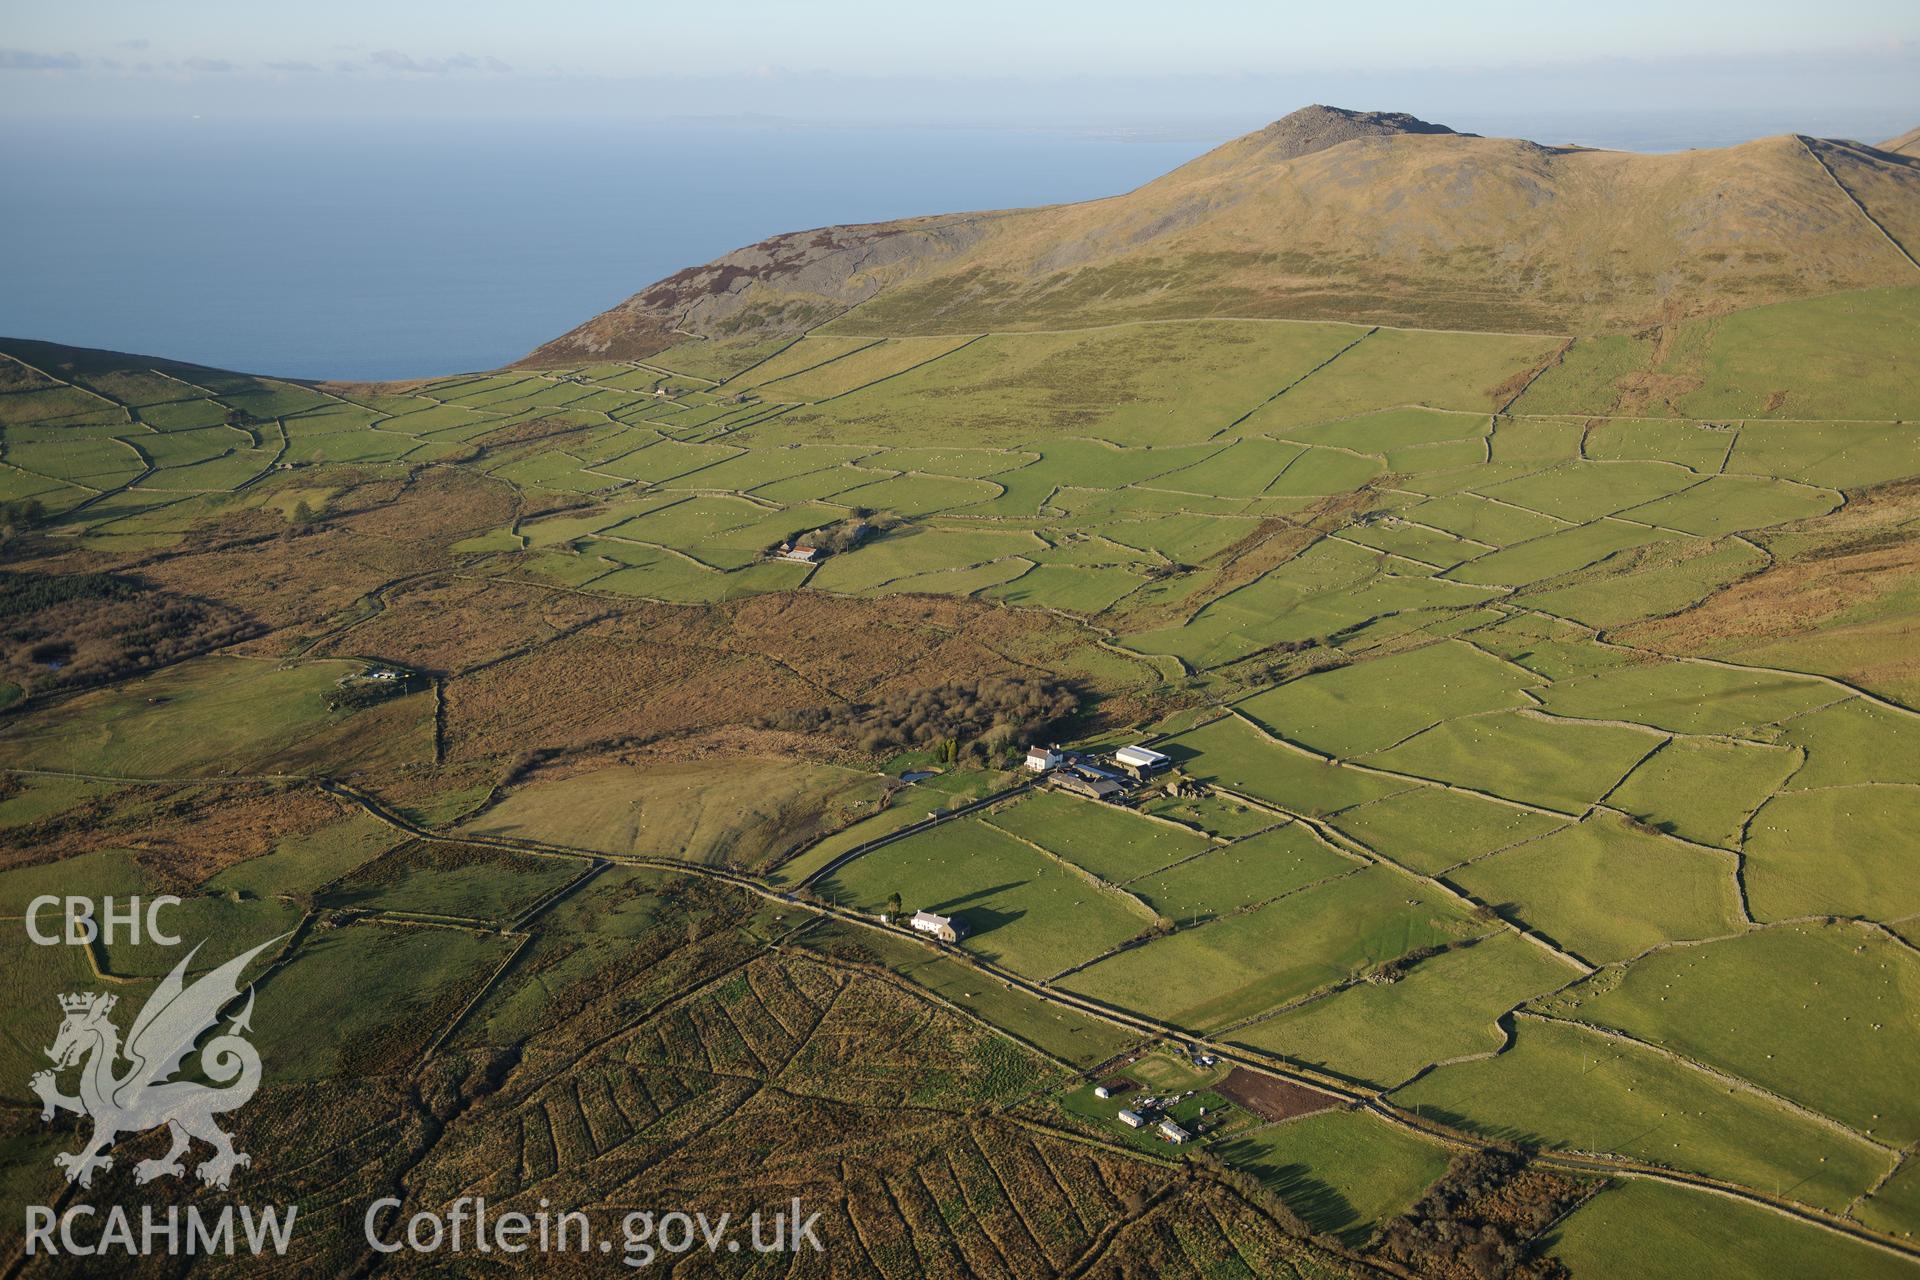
[941,927]
[1142,761]
[1173,1132]
[803,555]
[1110,1087]
[1131,1119]
[1102,1092]
[1081,785]
[1041,759]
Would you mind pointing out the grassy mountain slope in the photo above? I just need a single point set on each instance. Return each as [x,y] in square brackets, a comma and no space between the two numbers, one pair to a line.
[1331,214]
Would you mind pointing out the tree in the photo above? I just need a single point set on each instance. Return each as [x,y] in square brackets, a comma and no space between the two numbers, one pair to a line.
[302,512]
[20,515]
[894,908]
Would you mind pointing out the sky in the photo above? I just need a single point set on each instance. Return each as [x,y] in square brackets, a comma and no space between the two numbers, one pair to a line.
[1127,65]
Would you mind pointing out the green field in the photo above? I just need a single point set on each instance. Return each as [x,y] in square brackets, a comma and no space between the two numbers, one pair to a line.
[1137,384]
[1446,1007]
[1368,707]
[1244,964]
[410,982]
[217,715]
[1894,1206]
[1688,697]
[1777,1007]
[302,864]
[1430,830]
[745,812]
[1661,1232]
[1704,789]
[1565,1087]
[1240,875]
[463,881]
[1607,891]
[1345,1172]
[1580,492]
[1009,896]
[44,796]
[1395,367]
[35,979]
[1233,754]
[1840,852]
[1111,843]
[1212,814]
[1554,764]
[1666,578]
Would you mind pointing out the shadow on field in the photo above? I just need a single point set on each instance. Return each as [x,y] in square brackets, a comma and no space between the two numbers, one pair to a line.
[952,905]
[980,921]
[1513,913]
[1495,1132]
[1321,1206]
[346,896]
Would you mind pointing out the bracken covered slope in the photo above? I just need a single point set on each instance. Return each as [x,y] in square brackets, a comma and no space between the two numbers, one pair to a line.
[1334,214]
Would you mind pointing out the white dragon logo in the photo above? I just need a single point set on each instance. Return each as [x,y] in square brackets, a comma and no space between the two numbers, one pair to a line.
[145,1096]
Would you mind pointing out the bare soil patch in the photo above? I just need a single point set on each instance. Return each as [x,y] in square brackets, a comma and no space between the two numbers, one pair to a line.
[1272,1098]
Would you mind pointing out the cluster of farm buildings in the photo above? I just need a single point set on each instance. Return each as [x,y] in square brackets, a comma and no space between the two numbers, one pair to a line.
[1146,1110]
[1098,777]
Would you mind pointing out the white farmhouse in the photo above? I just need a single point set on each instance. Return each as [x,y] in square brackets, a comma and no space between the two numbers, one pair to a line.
[941,927]
[1041,759]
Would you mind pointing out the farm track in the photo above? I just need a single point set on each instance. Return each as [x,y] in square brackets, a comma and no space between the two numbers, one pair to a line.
[1372,1100]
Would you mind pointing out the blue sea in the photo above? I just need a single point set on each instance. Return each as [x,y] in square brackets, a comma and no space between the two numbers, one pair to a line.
[360,252]
[423,251]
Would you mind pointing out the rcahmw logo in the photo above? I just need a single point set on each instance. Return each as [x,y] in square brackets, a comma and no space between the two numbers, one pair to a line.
[130,1087]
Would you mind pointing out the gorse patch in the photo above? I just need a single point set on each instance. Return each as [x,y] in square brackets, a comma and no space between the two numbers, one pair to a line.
[30,591]
[988,715]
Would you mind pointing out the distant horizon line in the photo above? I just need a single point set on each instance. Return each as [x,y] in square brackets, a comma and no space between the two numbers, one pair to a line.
[1643,129]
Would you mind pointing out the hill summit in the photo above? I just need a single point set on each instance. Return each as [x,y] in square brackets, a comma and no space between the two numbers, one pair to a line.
[1334,214]
[1312,129]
